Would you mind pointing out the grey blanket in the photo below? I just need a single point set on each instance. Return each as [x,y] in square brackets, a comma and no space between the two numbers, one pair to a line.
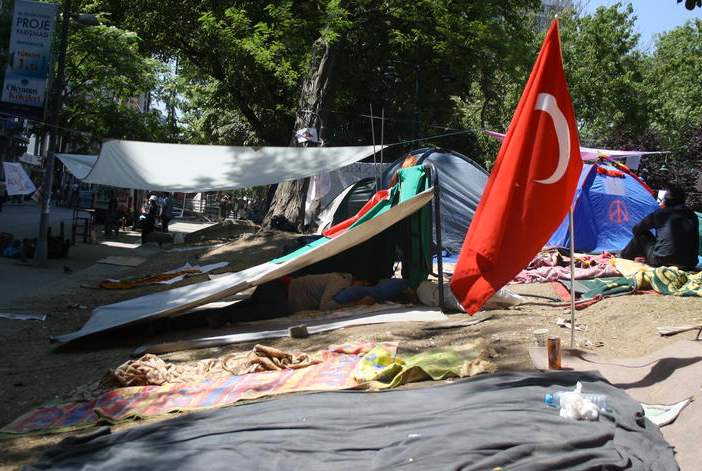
[482,423]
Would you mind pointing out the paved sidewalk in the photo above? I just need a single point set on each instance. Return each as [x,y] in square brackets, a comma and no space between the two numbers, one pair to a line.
[18,279]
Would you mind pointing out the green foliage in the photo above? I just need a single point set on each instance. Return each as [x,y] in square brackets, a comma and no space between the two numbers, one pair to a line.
[105,76]
[672,76]
[249,59]
[605,73]
[232,72]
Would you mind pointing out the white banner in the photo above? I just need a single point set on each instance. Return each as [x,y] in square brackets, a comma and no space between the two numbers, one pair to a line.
[307,135]
[16,180]
[31,38]
[31,159]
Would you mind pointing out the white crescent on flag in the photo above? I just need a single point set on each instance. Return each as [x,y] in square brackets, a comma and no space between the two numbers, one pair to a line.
[547,102]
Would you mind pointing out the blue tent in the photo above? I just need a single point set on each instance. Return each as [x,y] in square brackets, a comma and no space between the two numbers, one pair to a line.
[609,203]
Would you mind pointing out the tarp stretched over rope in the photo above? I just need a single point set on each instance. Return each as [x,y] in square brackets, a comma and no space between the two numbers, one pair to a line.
[589,153]
[482,423]
[197,168]
[179,300]
[79,165]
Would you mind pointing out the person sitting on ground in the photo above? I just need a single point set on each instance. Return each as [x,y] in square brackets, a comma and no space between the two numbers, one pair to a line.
[677,234]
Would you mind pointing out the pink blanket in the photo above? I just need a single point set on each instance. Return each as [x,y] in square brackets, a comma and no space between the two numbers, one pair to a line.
[550,265]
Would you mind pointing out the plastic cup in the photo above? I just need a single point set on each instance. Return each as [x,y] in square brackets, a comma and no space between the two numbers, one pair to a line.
[540,335]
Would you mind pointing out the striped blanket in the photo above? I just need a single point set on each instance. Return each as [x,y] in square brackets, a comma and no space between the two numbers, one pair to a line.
[353,365]
[336,371]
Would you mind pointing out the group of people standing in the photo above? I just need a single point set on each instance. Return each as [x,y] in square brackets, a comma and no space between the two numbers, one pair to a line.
[227,205]
[68,194]
[156,208]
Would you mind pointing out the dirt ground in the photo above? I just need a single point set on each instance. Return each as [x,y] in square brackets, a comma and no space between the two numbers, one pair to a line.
[34,371]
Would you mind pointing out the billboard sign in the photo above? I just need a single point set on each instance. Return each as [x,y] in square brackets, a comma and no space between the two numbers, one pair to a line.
[24,91]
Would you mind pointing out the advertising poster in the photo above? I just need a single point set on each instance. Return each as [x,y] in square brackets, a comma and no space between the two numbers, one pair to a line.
[24,90]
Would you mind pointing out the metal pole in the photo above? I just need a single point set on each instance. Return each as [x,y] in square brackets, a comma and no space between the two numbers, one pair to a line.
[417,112]
[375,163]
[434,174]
[571,228]
[41,251]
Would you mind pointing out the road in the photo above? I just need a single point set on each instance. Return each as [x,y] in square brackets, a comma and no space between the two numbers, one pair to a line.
[22,220]
[19,279]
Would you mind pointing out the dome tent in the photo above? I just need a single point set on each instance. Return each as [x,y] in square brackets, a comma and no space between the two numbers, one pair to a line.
[461,181]
[608,204]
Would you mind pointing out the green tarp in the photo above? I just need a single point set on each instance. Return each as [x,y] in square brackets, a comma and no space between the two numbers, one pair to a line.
[409,240]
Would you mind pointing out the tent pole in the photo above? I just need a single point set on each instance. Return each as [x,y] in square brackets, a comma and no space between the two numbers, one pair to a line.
[572,277]
[382,133]
[375,169]
[437,226]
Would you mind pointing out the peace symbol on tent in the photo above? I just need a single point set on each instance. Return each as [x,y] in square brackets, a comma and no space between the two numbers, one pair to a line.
[618,212]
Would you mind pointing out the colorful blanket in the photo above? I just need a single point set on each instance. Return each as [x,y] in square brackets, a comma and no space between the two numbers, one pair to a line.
[334,372]
[353,365]
[382,369]
[167,278]
[551,265]
[662,280]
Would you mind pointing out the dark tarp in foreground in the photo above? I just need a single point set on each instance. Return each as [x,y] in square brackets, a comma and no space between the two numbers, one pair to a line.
[482,423]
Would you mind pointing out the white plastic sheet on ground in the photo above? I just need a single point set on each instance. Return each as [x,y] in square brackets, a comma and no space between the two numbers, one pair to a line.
[181,299]
[196,168]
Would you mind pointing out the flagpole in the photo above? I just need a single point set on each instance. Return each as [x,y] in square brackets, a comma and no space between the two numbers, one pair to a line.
[572,277]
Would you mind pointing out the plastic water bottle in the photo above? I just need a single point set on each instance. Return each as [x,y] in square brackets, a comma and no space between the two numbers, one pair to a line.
[600,400]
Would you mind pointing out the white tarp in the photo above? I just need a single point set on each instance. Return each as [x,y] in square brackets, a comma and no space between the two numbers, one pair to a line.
[378,314]
[79,165]
[196,168]
[181,299]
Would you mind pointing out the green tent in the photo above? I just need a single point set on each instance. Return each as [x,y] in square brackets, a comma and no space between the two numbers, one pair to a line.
[407,241]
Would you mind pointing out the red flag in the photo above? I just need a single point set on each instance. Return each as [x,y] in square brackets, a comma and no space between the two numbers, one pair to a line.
[531,187]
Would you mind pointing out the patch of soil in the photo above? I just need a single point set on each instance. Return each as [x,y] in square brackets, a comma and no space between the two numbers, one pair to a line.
[36,372]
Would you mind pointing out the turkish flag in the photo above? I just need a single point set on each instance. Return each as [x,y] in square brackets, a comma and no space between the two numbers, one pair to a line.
[530,188]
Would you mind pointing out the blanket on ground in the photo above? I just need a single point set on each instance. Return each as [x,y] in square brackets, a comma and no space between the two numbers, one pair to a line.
[664,280]
[336,370]
[666,376]
[489,422]
[150,370]
[551,265]
[168,277]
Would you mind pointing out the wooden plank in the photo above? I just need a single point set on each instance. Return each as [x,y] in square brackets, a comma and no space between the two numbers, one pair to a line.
[124,261]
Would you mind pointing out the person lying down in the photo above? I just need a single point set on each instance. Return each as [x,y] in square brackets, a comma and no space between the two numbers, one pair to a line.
[286,295]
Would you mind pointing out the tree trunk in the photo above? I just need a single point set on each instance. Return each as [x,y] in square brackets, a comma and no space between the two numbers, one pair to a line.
[289,198]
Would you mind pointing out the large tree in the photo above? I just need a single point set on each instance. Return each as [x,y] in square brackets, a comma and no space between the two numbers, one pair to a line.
[250,63]
[605,73]
[672,76]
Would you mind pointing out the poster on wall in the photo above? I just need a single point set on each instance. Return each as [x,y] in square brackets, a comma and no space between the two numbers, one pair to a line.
[24,90]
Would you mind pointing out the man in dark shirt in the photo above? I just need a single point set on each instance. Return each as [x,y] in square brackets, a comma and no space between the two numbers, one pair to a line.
[677,234]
